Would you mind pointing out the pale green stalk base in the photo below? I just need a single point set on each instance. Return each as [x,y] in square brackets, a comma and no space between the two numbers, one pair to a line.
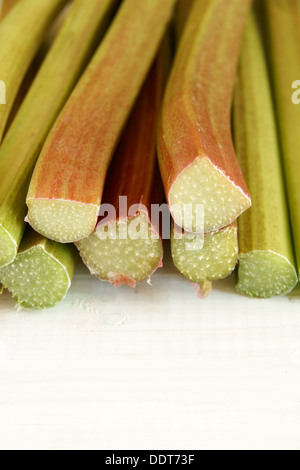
[56,219]
[215,260]
[41,274]
[122,261]
[265,274]
[202,183]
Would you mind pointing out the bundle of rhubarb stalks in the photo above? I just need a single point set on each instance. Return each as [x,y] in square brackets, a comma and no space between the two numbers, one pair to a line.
[117,116]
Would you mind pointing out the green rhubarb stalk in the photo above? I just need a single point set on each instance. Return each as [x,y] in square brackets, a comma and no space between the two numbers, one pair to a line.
[266,260]
[41,274]
[36,64]
[205,258]
[48,93]
[67,185]
[283,18]
[21,34]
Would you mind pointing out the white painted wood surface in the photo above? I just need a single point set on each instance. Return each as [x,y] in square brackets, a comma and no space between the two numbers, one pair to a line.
[152,368]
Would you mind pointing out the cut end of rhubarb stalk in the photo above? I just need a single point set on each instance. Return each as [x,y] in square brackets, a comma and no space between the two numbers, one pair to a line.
[36,279]
[265,274]
[62,221]
[123,261]
[210,259]
[8,248]
[201,183]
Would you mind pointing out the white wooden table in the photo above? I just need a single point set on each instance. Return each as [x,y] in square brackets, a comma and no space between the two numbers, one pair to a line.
[152,368]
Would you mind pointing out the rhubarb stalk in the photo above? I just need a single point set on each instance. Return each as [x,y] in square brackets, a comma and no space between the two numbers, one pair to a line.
[117,257]
[56,78]
[266,260]
[205,258]
[21,34]
[283,18]
[67,185]
[202,258]
[36,64]
[41,274]
[197,159]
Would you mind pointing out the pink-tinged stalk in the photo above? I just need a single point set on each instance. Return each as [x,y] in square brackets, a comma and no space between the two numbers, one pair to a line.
[196,154]
[110,252]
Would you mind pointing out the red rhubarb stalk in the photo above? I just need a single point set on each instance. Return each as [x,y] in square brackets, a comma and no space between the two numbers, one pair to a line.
[133,174]
[197,159]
